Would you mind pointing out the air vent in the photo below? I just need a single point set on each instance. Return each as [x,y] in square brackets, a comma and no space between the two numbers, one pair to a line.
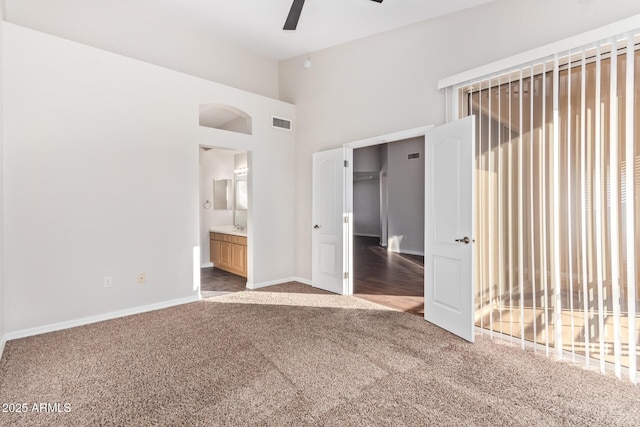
[280,123]
[413,156]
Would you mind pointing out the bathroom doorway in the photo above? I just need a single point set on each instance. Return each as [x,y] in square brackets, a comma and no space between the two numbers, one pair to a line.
[224,220]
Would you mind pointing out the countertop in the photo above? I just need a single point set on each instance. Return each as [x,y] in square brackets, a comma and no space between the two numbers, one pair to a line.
[229,229]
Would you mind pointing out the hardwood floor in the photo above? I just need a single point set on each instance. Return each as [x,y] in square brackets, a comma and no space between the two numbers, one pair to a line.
[214,280]
[390,279]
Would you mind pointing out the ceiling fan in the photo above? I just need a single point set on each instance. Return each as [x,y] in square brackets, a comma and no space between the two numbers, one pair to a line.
[294,14]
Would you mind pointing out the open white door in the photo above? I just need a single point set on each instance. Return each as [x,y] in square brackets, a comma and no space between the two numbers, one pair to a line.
[449,208]
[331,220]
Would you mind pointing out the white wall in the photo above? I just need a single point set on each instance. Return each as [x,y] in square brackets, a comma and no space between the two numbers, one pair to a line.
[215,164]
[2,296]
[387,83]
[101,179]
[405,192]
[384,197]
[240,160]
[367,159]
[152,32]
[366,207]
[366,192]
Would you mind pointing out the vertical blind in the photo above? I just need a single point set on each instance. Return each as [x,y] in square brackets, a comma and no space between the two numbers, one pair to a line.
[558,203]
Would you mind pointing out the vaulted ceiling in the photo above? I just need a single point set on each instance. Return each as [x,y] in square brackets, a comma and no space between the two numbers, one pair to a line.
[254,24]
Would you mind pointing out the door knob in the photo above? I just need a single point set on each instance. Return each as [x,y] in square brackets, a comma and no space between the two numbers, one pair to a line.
[316,226]
[464,240]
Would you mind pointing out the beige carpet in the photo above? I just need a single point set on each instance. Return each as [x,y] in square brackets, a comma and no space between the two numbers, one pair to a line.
[289,356]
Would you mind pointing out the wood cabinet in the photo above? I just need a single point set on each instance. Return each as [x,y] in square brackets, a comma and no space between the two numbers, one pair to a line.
[228,252]
[214,250]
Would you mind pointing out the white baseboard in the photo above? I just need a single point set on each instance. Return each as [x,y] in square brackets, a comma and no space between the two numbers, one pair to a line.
[253,286]
[366,235]
[3,341]
[206,265]
[94,319]
[406,252]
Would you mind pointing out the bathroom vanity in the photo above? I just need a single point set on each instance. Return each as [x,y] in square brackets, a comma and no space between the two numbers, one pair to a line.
[228,250]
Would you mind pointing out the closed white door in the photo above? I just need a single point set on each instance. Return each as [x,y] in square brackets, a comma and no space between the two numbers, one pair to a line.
[449,206]
[330,221]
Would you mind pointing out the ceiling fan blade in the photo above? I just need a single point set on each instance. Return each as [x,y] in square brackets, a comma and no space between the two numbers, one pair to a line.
[294,15]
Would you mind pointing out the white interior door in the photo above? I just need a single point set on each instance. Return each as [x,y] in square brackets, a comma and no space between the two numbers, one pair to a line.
[331,220]
[449,206]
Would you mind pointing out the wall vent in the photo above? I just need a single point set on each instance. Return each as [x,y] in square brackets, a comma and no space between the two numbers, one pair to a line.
[281,123]
[413,156]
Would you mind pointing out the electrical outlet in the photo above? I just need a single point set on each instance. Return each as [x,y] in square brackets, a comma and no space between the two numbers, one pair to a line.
[107,282]
[142,278]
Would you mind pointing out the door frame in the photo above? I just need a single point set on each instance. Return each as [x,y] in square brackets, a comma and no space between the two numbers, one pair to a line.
[368,142]
[197,263]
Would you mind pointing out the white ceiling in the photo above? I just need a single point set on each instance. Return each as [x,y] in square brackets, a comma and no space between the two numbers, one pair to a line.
[257,24]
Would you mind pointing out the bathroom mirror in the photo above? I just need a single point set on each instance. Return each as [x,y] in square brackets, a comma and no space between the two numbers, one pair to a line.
[242,194]
[222,194]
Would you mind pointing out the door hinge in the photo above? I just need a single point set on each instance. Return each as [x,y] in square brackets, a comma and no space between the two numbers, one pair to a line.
[346,275]
[345,220]
[346,163]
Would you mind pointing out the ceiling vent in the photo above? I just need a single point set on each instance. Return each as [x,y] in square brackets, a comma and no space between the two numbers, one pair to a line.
[281,123]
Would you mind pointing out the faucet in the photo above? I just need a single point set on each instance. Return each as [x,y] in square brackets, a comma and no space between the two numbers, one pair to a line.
[241,227]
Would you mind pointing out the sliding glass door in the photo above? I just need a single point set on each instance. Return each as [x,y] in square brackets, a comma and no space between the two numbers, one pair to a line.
[558,202]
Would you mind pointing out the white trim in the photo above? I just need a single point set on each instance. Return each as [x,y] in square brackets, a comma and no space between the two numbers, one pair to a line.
[368,142]
[2,343]
[601,33]
[454,109]
[366,235]
[390,137]
[95,319]
[253,286]
[347,224]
